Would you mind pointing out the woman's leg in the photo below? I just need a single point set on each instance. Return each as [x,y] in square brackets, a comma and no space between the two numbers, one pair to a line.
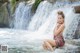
[52,42]
[44,46]
[48,44]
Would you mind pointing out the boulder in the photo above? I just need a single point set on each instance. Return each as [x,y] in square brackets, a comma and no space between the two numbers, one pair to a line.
[73,0]
[77,9]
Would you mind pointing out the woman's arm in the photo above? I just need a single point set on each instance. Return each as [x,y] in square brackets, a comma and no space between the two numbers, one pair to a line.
[59,30]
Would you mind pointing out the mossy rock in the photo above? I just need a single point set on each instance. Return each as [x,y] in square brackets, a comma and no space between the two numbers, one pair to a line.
[4,16]
[3,1]
[52,1]
[13,5]
[35,5]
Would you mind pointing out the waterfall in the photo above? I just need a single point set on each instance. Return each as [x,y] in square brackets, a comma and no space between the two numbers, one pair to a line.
[22,16]
[40,16]
[39,27]
[43,21]
[46,24]
[70,30]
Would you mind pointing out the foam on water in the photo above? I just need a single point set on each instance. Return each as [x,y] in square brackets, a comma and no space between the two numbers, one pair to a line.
[22,15]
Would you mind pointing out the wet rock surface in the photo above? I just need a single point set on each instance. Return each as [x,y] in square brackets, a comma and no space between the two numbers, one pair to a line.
[77,33]
[77,9]
[4,16]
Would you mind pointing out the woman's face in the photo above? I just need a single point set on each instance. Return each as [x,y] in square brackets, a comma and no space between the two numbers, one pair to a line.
[60,19]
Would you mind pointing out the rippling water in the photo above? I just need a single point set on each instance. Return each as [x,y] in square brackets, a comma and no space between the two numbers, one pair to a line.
[22,41]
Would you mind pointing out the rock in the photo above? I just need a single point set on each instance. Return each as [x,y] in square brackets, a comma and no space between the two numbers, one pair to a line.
[73,41]
[3,1]
[4,16]
[51,1]
[77,32]
[67,48]
[77,9]
[73,0]
[35,5]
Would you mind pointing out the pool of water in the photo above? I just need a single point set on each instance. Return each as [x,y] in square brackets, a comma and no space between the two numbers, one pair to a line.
[22,41]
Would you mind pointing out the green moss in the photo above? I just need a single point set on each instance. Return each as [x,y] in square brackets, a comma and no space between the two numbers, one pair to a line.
[35,5]
[13,2]
[13,5]
[4,15]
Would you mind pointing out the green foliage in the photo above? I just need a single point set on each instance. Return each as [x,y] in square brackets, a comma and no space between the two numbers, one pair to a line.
[35,5]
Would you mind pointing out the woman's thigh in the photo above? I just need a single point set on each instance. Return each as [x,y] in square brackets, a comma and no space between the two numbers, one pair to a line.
[51,42]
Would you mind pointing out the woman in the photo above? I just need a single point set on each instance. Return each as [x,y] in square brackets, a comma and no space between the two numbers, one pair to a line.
[58,31]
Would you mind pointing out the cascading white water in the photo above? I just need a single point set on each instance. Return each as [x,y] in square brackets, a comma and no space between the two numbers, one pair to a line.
[40,28]
[22,16]
[51,20]
[40,16]
[71,28]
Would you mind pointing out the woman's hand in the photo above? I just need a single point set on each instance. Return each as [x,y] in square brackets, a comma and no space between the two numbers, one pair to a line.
[58,25]
[59,30]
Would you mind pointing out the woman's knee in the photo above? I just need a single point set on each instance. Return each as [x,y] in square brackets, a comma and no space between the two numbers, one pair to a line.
[45,41]
[52,42]
[43,45]
[49,41]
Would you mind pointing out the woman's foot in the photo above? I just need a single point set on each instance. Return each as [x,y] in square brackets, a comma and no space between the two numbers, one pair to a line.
[45,47]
